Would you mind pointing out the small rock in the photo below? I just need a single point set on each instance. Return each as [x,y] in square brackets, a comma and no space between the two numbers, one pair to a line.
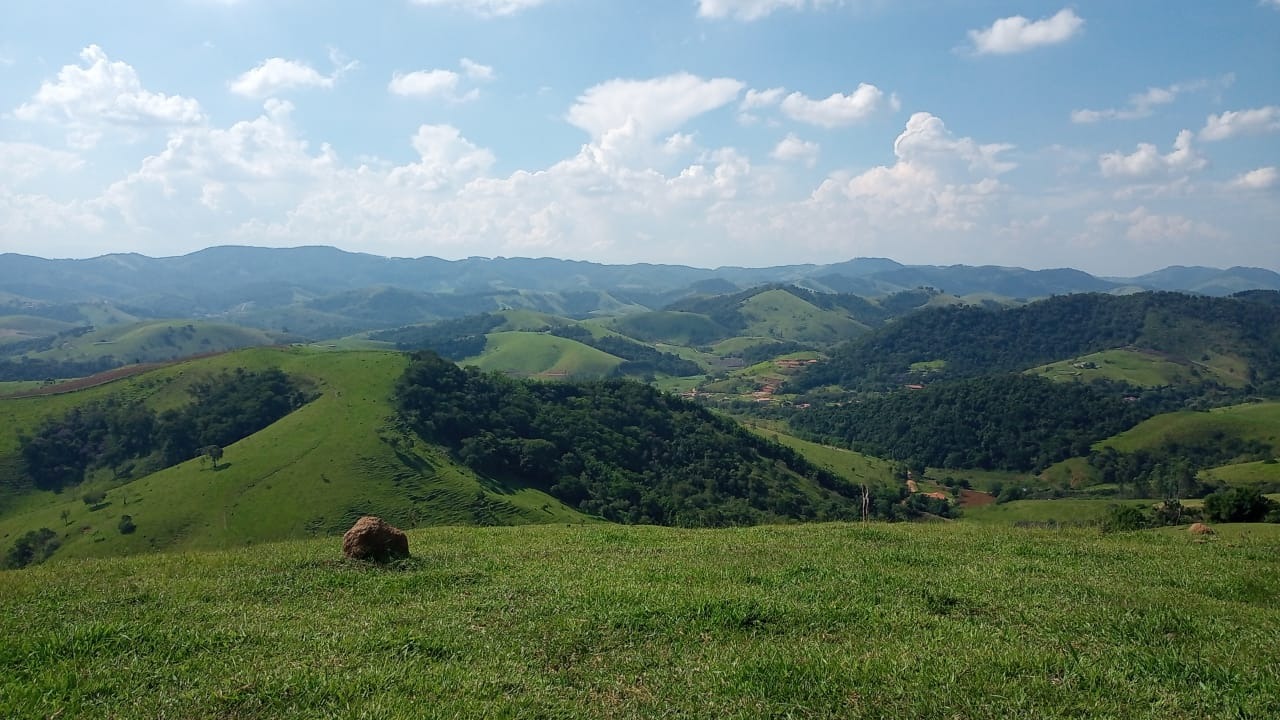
[1200,529]
[372,539]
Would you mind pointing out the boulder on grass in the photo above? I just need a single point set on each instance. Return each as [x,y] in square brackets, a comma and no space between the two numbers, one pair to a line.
[1200,529]
[372,539]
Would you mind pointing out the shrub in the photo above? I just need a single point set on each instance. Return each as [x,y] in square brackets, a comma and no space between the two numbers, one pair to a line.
[126,525]
[34,547]
[1238,505]
[1121,518]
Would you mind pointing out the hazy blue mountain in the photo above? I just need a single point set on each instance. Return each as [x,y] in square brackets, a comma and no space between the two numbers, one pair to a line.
[256,282]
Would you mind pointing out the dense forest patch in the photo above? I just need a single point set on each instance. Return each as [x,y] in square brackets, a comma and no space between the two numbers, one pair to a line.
[116,434]
[977,341]
[621,450]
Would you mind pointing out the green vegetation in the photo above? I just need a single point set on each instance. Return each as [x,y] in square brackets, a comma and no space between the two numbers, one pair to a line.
[155,340]
[1005,422]
[676,328]
[526,353]
[818,621]
[311,473]
[116,435]
[1236,340]
[1144,369]
[620,450]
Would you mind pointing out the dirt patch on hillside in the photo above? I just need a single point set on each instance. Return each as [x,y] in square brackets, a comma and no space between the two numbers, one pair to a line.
[974,498]
[105,377]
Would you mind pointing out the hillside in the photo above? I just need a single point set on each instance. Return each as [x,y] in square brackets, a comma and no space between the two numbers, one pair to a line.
[1232,339]
[820,621]
[151,341]
[617,450]
[311,473]
[527,353]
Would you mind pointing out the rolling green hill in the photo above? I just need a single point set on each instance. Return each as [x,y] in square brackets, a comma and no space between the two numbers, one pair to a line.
[1135,367]
[526,353]
[311,473]
[671,327]
[1232,340]
[156,340]
[781,315]
[1253,421]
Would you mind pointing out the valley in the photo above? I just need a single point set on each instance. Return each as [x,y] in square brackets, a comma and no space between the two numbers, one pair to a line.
[733,462]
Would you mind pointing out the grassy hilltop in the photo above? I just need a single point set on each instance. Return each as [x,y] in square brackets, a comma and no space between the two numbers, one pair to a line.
[815,621]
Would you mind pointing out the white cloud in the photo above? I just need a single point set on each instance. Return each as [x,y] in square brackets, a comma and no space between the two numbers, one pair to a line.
[21,161]
[276,75]
[104,94]
[939,182]
[927,140]
[748,10]
[1018,34]
[443,84]
[446,159]
[1143,226]
[792,148]
[654,106]
[1147,160]
[475,70]
[1241,122]
[1261,179]
[1140,105]
[426,83]
[836,110]
[485,8]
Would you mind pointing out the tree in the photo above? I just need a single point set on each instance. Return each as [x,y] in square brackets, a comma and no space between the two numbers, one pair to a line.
[126,525]
[213,452]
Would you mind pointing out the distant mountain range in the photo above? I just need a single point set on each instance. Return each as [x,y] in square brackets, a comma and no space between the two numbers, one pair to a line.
[308,284]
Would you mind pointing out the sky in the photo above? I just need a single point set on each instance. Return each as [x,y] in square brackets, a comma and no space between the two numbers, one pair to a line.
[1114,136]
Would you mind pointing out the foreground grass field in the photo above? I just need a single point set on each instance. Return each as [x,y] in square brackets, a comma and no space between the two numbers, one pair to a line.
[818,621]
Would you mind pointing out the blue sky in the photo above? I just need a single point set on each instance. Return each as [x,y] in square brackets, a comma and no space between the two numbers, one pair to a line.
[1117,136]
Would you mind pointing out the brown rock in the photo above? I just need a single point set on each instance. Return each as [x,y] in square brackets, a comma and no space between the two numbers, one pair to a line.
[1200,529]
[372,539]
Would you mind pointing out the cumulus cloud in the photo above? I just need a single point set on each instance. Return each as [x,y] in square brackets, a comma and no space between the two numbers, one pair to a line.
[1143,226]
[1147,160]
[939,182]
[484,8]
[793,149]
[1241,122]
[1018,34]
[837,110]
[275,75]
[102,93]
[1261,179]
[444,84]
[654,106]
[748,10]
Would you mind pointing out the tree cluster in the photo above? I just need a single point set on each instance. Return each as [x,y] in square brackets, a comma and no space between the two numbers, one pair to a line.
[115,434]
[618,449]
[638,358]
[974,341]
[454,339]
[1001,422]
[1171,469]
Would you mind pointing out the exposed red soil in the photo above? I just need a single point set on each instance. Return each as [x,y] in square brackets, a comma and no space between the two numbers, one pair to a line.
[974,498]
